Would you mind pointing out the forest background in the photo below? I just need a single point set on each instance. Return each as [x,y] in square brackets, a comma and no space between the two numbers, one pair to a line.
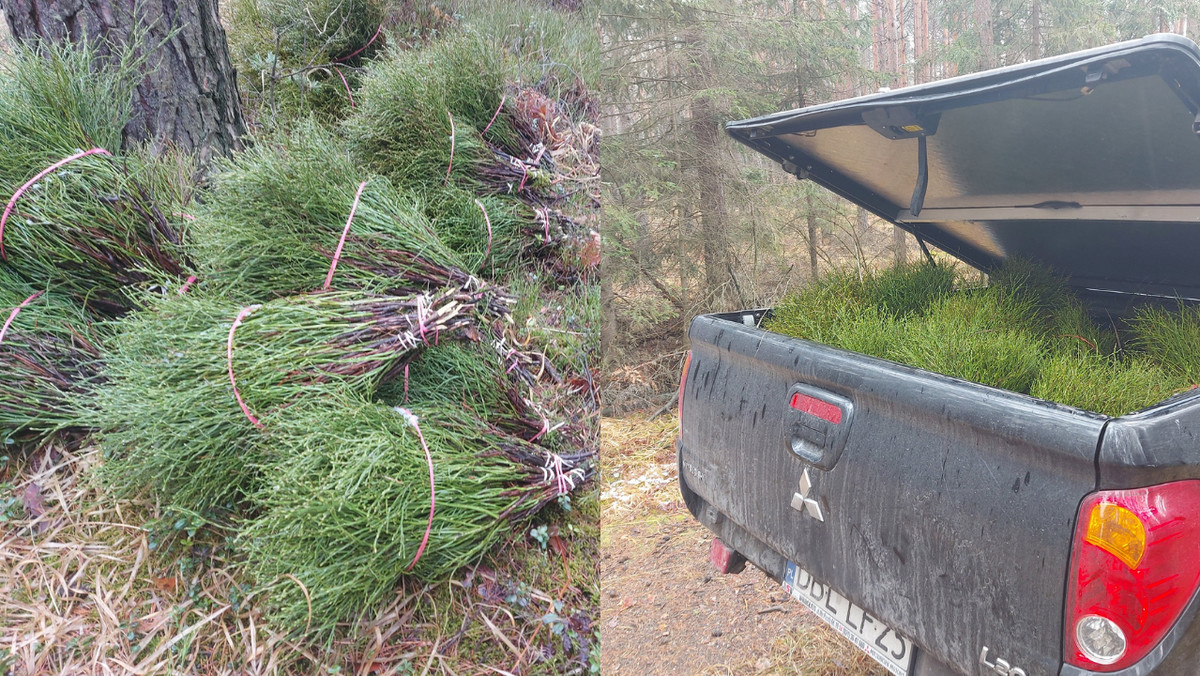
[695,223]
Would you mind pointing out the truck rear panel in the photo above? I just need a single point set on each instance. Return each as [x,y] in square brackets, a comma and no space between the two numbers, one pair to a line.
[947,508]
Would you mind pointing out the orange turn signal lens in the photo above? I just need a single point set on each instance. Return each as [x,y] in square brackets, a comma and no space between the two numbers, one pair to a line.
[1117,531]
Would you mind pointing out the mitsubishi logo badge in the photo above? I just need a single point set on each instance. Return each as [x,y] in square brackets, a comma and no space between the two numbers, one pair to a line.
[802,503]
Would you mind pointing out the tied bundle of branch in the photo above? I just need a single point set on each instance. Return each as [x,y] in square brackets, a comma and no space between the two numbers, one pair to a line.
[431,116]
[75,217]
[272,225]
[194,382]
[46,358]
[471,377]
[352,512]
[494,235]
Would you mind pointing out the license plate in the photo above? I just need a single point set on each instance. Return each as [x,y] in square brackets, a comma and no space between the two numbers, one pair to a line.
[873,637]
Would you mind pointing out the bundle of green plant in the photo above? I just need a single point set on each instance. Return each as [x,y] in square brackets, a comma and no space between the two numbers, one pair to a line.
[1170,337]
[272,223]
[977,337]
[75,217]
[910,288]
[818,311]
[489,233]
[193,382]
[94,228]
[58,98]
[427,116]
[46,358]
[1103,384]
[302,54]
[467,376]
[349,511]
[1035,284]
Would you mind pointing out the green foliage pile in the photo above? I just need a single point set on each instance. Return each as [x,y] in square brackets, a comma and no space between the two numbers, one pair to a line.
[346,514]
[100,224]
[272,221]
[1171,337]
[46,357]
[325,486]
[488,114]
[401,126]
[169,364]
[1025,332]
[308,465]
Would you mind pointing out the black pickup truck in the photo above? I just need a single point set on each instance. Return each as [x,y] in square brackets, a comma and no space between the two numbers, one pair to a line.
[941,525]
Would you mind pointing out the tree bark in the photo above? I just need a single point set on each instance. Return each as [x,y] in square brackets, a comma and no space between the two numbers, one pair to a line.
[1035,25]
[608,326]
[188,98]
[706,135]
[987,40]
[714,215]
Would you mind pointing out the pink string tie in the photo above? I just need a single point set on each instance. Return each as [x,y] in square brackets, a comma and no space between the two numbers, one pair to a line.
[345,84]
[416,425]
[495,114]
[229,362]
[358,51]
[187,284]
[13,315]
[12,201]
[337,254]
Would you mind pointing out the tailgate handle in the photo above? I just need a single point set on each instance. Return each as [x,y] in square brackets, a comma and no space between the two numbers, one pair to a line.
[818,422]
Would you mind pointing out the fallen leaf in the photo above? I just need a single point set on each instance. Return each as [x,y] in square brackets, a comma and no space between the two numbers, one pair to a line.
[35,505]
[167,584]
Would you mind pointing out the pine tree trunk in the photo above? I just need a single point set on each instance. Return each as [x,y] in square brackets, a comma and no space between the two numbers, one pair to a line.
[987,40]
[704,128]
[713,213]
[608,326]
[189,97]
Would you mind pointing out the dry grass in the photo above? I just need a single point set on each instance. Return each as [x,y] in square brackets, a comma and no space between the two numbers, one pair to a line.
[83,592]
[639,477]
[812,651]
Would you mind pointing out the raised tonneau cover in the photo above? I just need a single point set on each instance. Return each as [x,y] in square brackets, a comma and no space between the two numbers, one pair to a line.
[1088,163]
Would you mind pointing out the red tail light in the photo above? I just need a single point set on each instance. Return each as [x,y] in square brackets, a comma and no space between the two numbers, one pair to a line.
[1133,569]
[687,363]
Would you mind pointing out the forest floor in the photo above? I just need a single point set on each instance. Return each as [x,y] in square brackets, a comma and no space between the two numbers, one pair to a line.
[664,609]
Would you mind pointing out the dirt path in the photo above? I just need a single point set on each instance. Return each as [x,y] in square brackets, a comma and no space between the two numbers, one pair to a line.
[664,609]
